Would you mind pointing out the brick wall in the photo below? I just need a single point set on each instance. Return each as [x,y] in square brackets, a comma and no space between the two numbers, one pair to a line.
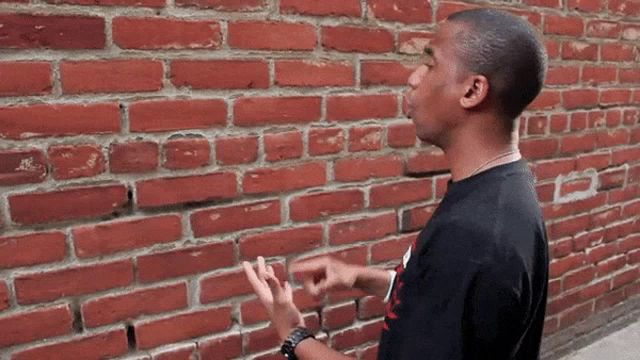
[149,146]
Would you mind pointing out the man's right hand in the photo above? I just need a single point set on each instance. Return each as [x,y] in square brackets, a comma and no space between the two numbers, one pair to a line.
[322,274]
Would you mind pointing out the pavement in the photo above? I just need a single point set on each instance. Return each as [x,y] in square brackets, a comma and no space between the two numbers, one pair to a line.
[623,344]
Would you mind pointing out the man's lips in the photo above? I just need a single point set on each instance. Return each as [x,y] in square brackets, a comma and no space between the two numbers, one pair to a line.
[406,105]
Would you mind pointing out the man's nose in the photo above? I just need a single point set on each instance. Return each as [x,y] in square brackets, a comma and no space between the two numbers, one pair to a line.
[416,76]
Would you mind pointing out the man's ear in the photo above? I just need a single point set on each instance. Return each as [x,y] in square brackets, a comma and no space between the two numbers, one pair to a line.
[476,90]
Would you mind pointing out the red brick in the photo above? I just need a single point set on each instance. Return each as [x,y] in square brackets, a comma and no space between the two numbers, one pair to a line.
[338,316]
[356,336]
[553,48]
[169,115]
[580,277]
[629,76]
[568,227]
[370,307]
[617,52]
[117,308]
[631,208]
[553,168]
[267,180]
[185,261]
[276,110]
[545,3]
[76,161]
[26,31]
[611,179]
[413,42]
[283,145]
[223,286]
[79,280]
[416,218]
[537,125]
[186,189]
[400,193]
[237,217]
[545,192]
[360,169]
[562,25]
[323,141]
[43,120]
[576,314]
[140,3]
[226,347]
[312,206]
[575,50]
[321,8]
[264,35]
[401,135]
[578,143]
[392,249]
[365,138]
[586,5]
[610,299]
[117,236]
[357,39]
[387,73]
[426,162]
[547,100]
[76,203]
[313,73]
[224,5]
[447,8]
[220,74]
[25,78]
[629,244]
[615,97]
[182,327]
[260,339]
[4,296]
[118,75]
[22,166]
[625,7]
[598,75]
[161,33]
[187,352]
[562,75]
[359,107]
[363,229]
[561,266]
[133,157]
[370,352]
[541,148]
[580,98]
[281,242]
[35,325]
[561,248]
[32,249]
[237,150]
[631,32]
[406,11]
[626,277]
[186,153]
[100,346]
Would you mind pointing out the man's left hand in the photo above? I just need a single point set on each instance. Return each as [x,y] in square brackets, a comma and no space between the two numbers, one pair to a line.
[278,300]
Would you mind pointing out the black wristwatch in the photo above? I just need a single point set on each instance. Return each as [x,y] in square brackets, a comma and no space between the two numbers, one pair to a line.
[297,335]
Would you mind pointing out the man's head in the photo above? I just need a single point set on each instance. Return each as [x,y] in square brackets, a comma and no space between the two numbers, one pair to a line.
[481,61]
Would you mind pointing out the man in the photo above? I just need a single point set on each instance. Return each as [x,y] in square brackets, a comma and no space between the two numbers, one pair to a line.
[474,284]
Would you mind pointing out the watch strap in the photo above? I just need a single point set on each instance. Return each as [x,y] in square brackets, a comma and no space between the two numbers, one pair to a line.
[289,345]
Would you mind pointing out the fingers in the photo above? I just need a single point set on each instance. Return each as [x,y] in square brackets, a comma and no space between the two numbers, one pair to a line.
[288,291]
[262,268]
[276,289]
[259,287]
[310,266]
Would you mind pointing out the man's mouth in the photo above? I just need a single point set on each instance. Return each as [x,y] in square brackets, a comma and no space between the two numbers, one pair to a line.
[406,106]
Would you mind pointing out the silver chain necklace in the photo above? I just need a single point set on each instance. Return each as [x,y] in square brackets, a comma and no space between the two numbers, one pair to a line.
[500,156]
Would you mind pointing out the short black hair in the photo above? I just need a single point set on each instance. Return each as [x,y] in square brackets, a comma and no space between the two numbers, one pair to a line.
[508,51]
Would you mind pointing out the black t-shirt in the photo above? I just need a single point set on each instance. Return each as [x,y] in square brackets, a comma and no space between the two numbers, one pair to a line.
[474,284]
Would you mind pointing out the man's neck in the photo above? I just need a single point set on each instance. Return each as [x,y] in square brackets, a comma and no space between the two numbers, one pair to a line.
[470,154]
